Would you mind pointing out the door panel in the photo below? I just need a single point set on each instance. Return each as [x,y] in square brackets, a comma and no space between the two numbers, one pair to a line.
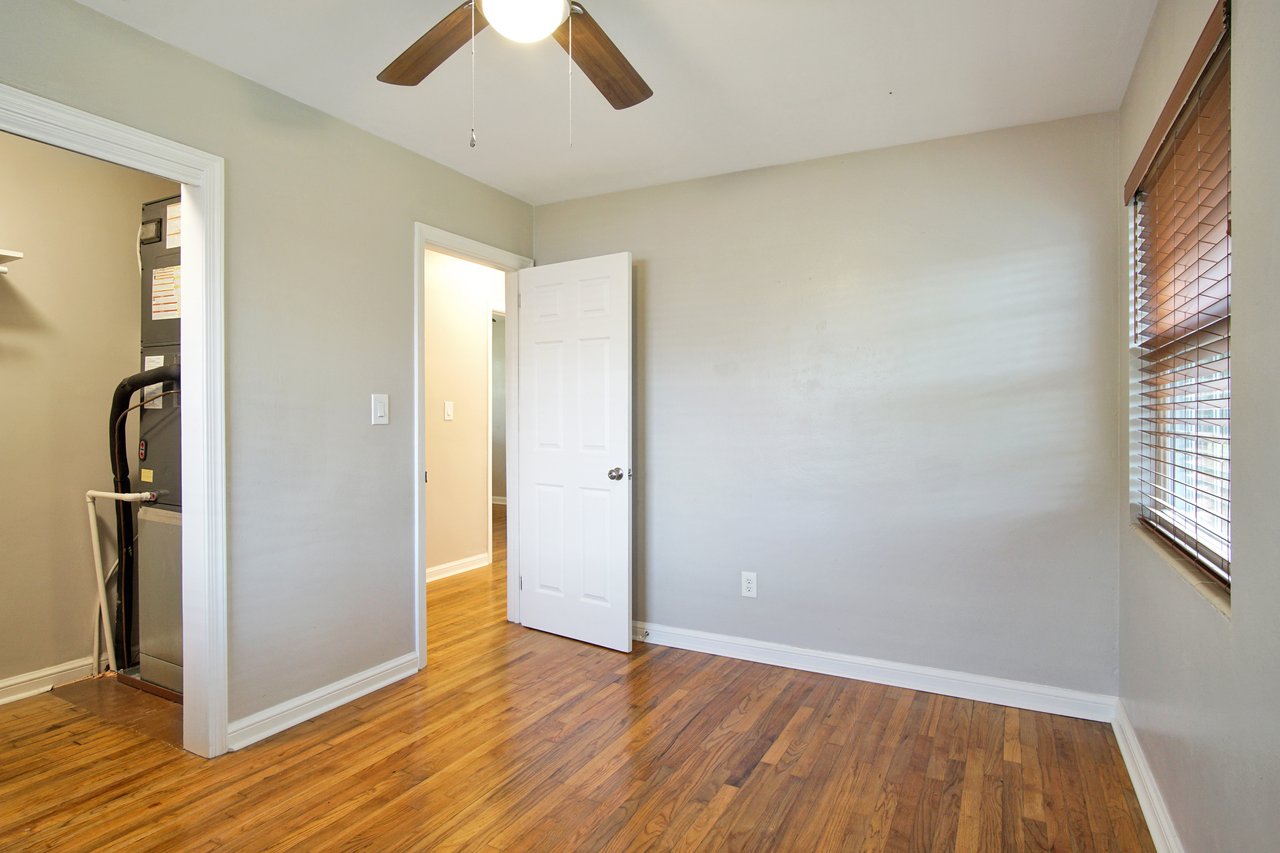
[575,428]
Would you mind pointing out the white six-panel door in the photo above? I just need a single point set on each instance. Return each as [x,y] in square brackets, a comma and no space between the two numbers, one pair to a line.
[575,449]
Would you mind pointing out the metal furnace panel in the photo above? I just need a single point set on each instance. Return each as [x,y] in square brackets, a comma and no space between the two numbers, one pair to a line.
[160,596]
[160,249]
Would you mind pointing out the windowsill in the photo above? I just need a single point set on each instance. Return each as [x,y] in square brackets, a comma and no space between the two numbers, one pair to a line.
[1211,591]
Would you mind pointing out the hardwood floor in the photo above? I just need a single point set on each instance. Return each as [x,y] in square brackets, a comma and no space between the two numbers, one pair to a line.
[113,702]
[516,740]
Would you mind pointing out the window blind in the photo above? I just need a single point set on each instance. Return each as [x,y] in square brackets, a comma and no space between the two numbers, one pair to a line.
[1182,326]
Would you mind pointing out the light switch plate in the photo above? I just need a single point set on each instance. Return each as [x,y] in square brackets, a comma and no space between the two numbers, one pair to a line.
[448,410]
[381,412]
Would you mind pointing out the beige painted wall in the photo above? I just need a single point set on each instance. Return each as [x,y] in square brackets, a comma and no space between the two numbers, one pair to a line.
[498,408]
[320,295]
[883,382]
[457,320]
[69,332]
[1200,687]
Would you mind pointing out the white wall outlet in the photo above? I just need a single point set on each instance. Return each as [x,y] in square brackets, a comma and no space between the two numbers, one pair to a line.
[381,413]
[448,410]
[748,584]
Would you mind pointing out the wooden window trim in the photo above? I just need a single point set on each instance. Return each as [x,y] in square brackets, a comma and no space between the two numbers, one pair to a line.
[1213,33]
[1182,316]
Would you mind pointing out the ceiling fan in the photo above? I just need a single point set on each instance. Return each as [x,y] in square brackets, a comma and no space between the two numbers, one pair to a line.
[576,31]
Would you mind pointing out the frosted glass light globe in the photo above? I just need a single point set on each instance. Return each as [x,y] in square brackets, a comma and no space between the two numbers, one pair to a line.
[525,20]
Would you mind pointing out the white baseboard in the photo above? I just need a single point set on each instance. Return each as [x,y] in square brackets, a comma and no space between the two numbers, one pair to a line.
[499,500]
[457,567]
[1159,820]
[42,680]
[255,727]
[983,688]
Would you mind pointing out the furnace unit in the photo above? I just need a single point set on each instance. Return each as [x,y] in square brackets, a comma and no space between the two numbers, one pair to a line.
[158,592]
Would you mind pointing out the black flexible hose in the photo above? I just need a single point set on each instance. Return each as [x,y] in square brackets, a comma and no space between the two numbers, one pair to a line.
[128,570]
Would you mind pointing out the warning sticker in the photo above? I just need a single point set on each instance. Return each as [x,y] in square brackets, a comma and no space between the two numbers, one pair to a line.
[166,293]
[173,226]
[151,393]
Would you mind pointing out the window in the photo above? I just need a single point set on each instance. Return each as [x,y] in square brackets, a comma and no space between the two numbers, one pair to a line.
[1182,315]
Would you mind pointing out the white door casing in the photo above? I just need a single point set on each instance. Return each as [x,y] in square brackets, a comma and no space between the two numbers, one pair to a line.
[575,449]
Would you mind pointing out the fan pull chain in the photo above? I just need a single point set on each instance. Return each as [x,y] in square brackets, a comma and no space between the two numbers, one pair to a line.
[571,76]
[473,73]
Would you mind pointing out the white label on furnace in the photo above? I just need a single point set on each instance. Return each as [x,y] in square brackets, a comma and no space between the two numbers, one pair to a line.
[152,392]
[173,226]
[166,293]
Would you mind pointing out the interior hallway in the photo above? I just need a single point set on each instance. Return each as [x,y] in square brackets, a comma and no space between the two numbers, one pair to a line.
[516,740]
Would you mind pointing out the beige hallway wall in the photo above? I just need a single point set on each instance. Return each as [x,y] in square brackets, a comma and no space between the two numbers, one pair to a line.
[498,414]
[457,322]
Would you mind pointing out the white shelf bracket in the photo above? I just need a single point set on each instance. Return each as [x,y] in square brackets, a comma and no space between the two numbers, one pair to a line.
[7,255]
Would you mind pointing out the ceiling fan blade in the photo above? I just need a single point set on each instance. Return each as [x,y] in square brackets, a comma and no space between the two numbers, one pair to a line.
[436,45]
[602,62]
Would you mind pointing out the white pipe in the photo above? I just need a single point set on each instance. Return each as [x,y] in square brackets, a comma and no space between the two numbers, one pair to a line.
[97,620]
[104,615]
[104,612]
[128,497]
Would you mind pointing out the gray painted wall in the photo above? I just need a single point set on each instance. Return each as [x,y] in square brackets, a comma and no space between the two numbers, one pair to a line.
[319,314]
[69,331]
[1202,688]
[852,379]
[884,382]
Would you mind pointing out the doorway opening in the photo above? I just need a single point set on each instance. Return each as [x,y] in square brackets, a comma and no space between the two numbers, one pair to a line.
[202,540]
[462,290]
[568,449]
[498,409]
[461,302]
[69,313]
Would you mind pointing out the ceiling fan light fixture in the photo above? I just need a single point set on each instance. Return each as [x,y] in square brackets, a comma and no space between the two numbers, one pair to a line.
[525,20]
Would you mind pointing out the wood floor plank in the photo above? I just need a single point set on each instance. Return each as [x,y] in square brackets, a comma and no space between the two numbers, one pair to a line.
[946,827]
[513,739]
[911,779]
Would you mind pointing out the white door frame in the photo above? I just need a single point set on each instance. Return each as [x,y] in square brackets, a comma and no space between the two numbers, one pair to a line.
[427,237]
[204,528]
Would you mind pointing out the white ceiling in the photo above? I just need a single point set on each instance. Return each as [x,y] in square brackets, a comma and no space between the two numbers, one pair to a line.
[737,84]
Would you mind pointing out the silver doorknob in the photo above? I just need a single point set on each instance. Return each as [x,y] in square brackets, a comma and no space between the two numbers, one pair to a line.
[615,473]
